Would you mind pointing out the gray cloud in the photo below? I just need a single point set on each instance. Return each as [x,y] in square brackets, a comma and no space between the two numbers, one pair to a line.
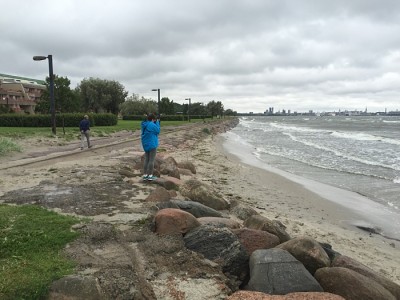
[298,55]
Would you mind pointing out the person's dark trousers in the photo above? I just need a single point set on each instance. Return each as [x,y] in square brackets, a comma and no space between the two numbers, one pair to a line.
[149,159]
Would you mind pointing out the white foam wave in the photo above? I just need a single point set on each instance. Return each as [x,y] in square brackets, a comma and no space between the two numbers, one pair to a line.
[391,204]
[387,121]
[297,129]
[343,155]
[364,137]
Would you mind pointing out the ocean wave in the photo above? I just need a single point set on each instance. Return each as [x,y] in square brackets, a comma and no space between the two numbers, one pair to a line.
[343,155]
[297,129]
[313,163]
[364,137]
[391,204]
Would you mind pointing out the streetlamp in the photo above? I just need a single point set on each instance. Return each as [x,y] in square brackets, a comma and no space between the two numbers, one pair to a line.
[188,99]
[51,76]
[158,103]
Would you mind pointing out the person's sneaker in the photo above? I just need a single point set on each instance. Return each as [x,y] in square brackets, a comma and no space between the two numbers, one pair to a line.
[81,148]
[145,177]
[151,177]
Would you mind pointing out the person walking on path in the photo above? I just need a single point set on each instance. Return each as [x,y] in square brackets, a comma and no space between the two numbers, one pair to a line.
[150,131]
[84,127]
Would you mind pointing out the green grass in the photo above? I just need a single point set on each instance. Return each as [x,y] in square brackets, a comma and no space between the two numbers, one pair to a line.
[9,136]
[23,132]
[31,240]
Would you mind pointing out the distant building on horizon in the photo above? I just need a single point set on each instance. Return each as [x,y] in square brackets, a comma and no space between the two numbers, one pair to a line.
[20,94]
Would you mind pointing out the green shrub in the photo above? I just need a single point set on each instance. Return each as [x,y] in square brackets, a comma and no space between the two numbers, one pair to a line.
[66,120]
[168,117]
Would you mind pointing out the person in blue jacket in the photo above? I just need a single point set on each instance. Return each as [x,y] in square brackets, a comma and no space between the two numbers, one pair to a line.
[150,131]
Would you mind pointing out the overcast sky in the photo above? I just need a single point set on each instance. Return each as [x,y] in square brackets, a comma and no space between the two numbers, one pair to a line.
[249,54]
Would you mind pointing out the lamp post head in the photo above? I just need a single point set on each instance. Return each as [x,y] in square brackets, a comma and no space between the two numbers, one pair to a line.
[155,90]
[39,57]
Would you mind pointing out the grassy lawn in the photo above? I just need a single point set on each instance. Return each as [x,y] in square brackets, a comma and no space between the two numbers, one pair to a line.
[31,239]
[9,136]
[22,132]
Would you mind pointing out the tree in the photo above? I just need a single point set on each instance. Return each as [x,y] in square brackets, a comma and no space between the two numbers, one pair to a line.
[215,108]
[230,112]
[101,95]
[196,109]
[166,106]
[65,99]
[137,106]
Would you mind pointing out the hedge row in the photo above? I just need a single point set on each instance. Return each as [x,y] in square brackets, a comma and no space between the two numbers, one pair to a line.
[67,120]
[168,117]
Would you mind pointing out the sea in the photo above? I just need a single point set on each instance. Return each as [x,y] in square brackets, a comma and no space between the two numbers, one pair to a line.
[356,154]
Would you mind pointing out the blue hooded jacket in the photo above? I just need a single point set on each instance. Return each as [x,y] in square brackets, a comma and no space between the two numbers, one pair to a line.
[150,131]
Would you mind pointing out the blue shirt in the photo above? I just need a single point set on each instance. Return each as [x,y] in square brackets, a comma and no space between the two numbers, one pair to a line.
[84,125]
[150,131]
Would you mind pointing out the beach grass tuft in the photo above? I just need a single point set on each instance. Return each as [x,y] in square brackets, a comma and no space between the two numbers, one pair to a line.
[31,240]
[7,145]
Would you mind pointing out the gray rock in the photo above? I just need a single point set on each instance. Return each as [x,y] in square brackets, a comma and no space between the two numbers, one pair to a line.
[196,209]
[331,253]
[204,194]
[220,245]
[351,285]
[77,288]
[187,165]
[243,212]
[277,272]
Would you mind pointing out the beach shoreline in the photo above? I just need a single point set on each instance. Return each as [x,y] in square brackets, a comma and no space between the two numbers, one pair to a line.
[306,213]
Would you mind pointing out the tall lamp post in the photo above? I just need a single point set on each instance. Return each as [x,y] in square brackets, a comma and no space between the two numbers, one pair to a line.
[188,99]
[51,76]
[158,103]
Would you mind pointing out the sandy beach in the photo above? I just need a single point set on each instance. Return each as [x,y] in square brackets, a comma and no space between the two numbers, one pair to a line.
[303,212]
[300,210]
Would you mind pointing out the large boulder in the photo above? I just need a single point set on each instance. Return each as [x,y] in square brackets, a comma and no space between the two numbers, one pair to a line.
[308,251]
[170,167]
[168,182]
[347,262]
[262,223]
[187,165]
[250,295]
[174,221]
[329,250]
[277,272]
[220,245]
[159,194]
[232,224]
[243,212]
[197,209]
[351,285]
[253,239]
[204,194]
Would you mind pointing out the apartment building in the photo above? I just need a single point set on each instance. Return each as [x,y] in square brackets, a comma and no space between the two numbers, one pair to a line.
[20,94]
